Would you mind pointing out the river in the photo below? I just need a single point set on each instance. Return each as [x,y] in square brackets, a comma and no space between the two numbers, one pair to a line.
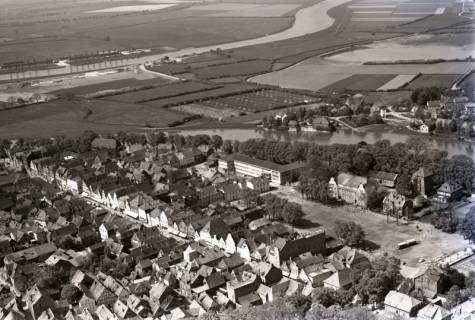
[342,136]
[308,20]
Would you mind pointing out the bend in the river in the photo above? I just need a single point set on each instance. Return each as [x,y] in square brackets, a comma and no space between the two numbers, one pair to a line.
[308,20]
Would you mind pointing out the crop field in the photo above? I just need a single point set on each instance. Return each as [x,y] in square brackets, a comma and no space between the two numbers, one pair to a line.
[198,97]
[113,85]
[266,99]
[360,82]
[314,75]
[163,92]
[433,80]
[44,31]
[234,69]
[397,82]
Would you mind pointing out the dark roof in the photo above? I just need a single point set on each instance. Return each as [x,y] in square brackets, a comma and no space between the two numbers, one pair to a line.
[381,175]
[266,164]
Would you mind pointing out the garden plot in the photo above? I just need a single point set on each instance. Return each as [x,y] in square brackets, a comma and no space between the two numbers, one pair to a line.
[433,80]
[261,100]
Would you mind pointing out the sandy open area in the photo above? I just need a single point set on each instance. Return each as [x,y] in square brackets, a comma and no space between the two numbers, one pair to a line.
[432,242]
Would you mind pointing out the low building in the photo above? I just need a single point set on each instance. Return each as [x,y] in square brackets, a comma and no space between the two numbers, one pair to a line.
[434,312]
[401,304]
[276,173]
[449,192]
[386,179]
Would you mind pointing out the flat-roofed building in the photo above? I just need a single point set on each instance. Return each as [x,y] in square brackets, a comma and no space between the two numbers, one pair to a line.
[246,166]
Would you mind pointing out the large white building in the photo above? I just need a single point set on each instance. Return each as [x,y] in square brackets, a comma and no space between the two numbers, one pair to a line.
[247,166]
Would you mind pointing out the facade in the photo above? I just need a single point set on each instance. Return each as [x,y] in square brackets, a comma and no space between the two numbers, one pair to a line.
[246,166]
[449,192]
[386,179]
[349,188]
[398,205]
[423,183]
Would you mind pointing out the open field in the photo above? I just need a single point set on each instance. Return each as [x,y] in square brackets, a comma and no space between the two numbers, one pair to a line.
[383,236]
[73,117]
[360,82]
[163,92]
[137,8]
[433,80]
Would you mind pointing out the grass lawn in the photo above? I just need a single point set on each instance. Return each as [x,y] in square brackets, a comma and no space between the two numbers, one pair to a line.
[382,236]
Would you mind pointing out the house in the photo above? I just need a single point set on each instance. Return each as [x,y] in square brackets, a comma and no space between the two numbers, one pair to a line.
[386,179]
[449,192]
[423,183]
[470,109]
[401,304]
[283,249]
[464,311]
[424,128]
[102,143]
[231,192]
[37,302]
[398,205]
[434,107]
[258,184]
[349,188]
[434,312]
[342,279]
[321,124]
[430,282]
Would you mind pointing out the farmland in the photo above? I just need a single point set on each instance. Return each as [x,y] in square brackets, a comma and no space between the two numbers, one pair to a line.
[73,117]
[215,69]
[72,29]
[397,82]
[261,100]
[360,82]
[130,83]
[433,80]
[315,74]
[163,92]
[197,97]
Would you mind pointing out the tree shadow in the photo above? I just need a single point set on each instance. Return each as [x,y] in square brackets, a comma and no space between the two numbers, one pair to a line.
[306,224]
[368,245]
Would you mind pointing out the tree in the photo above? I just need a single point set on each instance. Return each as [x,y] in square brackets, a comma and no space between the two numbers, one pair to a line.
[216,141]
[227,147]
[468,225]
[404,185]
[291,212]
[70,293]
[454,297]
[363,162]
[375,199]
[350,233]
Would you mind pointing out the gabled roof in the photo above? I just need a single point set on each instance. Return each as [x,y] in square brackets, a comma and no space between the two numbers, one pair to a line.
[401,301]
[449,187]
[340,279]
[349,180]
[434,312]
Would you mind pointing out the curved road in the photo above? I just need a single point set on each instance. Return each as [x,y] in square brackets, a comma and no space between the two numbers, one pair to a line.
[307,20]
